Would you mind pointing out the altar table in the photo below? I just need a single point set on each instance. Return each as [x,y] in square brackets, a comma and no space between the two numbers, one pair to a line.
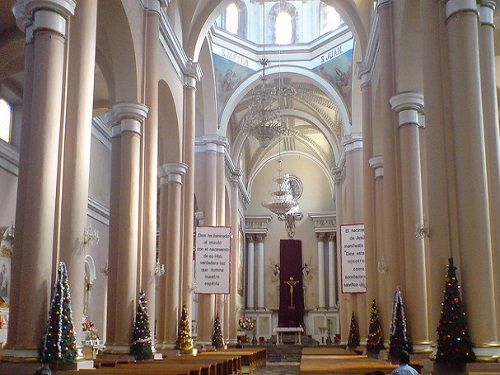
[296,330]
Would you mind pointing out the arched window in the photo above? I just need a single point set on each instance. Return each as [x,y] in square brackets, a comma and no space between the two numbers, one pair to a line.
[232,18]
[283,28]
[5,120]
[283,23]
[330,19]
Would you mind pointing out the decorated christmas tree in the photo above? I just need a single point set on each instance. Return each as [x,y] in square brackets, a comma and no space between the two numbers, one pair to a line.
[217,340]
[375,341]
[398,340]
[59,341]
[454,344]
[353,341]
[141,346]
[184,339]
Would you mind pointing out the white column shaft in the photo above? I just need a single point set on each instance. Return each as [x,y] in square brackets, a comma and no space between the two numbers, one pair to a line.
[332,291]
[250,275]
[260,275]
[321,272]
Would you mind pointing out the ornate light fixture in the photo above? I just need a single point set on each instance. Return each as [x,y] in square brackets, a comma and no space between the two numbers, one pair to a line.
[263,119]
[282,200]
[422,231]
[90,237]
[159,269]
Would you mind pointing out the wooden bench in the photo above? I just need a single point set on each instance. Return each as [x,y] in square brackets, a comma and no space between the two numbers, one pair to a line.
[340,364]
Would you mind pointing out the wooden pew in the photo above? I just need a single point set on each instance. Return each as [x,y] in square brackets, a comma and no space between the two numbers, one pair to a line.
[339,364]
[134,370]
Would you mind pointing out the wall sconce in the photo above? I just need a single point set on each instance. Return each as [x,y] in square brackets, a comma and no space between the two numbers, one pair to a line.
[382,266]
[159,269]
[422,231]
[90,237]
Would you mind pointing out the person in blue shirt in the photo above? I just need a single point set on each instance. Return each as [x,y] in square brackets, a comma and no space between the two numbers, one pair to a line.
[404,368]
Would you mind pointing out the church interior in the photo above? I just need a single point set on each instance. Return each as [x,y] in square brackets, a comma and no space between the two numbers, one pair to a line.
[279,175]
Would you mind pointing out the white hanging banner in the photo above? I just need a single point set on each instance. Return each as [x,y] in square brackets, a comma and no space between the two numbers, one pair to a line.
[352,239]
[212,260]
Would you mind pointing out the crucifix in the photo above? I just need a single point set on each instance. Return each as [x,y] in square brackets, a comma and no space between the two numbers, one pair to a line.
[291,283]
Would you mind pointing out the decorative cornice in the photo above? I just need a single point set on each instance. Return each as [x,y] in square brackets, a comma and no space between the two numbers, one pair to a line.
[339,170]
[257,224]
[324,222]
[101,128]
[409,107]
[214,143]
[366,66]
[377,163]
[97,211]
[457,6]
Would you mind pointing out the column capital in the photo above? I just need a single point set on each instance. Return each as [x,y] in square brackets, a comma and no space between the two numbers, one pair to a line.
[381,3]
[487,12]
[154,6]
[211,143]
[259,238]
[366,79]
[377,164]
[172,173]
[65,8]
[22,18]
[352,142]
[458,6]
[249,237]
[410,107]
[192,74]
[320,236]
[128,111]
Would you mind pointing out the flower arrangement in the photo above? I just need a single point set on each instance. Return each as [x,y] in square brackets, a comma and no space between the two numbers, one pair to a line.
[246,324]
[89,330]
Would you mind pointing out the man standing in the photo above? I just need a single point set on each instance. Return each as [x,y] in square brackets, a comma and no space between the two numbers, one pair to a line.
[404,367]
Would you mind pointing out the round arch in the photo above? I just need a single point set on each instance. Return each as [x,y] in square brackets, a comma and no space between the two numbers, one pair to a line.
[312,120]
[253,80]
[274,156]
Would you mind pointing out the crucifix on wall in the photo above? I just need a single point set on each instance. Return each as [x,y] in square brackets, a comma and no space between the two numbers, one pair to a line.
[291,283]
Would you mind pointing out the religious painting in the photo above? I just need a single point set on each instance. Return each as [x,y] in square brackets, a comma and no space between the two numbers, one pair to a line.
[228,76]
[337,69]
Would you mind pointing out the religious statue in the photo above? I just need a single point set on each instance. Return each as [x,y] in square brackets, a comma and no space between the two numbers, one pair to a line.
[290,218]
[291,283]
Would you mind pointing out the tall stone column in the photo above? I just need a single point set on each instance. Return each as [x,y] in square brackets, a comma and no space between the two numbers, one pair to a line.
[382,295]
[332,255]
[471,185]
[206,304]
[321,269]
[235,243]
[222,308]
[129,116]
[150,155]
[261,290]
[188,209]
[75,191]
[24,23]
[38,174]
[410,106]
[170,252]
[491,132]
[250,271]
[368,192]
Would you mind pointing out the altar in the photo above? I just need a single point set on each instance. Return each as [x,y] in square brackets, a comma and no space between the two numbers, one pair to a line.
[296,330]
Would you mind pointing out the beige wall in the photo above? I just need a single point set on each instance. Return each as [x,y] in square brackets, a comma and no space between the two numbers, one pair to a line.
[8,187]
[316,197]
[100,172]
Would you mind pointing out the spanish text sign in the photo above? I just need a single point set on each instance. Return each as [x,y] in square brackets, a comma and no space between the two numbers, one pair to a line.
[212,264]
[352,239]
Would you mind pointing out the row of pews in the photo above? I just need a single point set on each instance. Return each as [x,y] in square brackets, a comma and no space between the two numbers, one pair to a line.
[334,360]
[221,362]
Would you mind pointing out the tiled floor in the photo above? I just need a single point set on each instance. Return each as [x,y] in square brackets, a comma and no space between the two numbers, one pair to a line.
[279,369]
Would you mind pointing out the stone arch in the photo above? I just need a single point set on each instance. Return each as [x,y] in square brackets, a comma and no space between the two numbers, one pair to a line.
[272,16]
[253,80]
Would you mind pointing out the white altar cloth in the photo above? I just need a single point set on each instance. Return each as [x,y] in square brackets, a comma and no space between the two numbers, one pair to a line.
[296,330]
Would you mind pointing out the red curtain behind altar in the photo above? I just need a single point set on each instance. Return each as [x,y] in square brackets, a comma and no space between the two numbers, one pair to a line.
[291,315]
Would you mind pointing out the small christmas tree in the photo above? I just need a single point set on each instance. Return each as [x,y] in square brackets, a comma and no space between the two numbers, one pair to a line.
[217,340]
[142,344]
[398,340]
[59,341]
[184,339]
[454,344]
[375,341]
[353,341]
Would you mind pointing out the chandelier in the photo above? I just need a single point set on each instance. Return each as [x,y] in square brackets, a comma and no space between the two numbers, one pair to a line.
[263,119]
[282,200]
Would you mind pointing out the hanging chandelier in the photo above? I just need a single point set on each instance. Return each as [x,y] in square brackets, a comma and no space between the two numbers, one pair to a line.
[282,200]
[263,119]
